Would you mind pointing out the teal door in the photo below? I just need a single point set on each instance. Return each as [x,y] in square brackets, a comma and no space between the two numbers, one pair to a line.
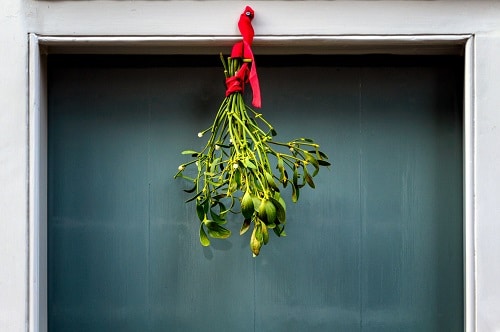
[377,246]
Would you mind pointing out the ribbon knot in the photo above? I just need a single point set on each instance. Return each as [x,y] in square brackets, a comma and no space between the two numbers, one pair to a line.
[236,83]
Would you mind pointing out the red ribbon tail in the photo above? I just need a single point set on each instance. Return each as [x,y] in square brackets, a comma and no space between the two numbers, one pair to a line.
[254,83]
[242,50]
[252,77]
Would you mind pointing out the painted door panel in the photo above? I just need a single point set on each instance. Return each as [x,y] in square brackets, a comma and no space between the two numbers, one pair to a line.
[377,246]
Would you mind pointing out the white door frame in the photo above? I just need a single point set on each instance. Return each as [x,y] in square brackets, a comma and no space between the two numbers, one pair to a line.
[40,46]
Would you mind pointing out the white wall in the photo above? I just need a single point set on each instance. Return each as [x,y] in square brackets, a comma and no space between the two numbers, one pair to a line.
[13,167]
[273,18]
[487,181]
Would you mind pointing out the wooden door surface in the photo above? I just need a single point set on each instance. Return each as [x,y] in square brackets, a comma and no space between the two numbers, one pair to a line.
[377,246]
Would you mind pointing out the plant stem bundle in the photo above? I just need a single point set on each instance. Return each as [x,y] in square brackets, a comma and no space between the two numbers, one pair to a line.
[241,168]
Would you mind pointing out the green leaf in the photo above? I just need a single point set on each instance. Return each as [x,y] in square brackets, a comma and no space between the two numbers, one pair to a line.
[285,180]
[265,233]
[273,132]
[214,164]
[281,168]
[267,211]
[217,231]
[190,179]
[295,193]
[307,140]
[310,181]
[204,240]
[245,226]
[237,178]
[216,184]
[323,163]
[254,181]
[308,178]
[270,181]
[233,186]
[271,212]
[247,208]
[217,218]
[206,205]
[310,159]
[282,202]
[256,203]
[258,231]
[189,152]
[255,242]
[200,212]
[249,164]
[295,178]
[271,226]
[279,231]
[280,209]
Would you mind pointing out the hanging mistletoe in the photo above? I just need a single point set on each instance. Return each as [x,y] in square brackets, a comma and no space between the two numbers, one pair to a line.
[242,167]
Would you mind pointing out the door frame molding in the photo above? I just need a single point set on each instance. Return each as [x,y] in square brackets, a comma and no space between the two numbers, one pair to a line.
[42,45]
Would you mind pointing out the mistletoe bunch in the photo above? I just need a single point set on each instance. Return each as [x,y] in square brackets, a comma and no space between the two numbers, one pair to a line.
[242,167]
[235,171]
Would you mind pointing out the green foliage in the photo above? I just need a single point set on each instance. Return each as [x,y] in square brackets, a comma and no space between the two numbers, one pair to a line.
[234,172]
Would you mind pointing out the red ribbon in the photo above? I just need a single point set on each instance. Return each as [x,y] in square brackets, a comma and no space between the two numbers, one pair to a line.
[237,82]
[243,50]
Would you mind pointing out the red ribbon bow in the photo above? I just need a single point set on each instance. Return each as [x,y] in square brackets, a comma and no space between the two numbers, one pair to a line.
[243,50]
